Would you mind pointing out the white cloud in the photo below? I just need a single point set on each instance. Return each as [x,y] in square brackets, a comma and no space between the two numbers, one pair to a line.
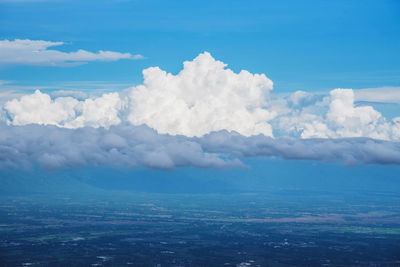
[36,52]
[39,108]
[99,112]
[351,121]
[203,97]
[344,119]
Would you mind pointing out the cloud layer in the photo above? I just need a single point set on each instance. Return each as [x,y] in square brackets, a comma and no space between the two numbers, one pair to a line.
[119,146]
[131,146]
[36,52]
[204,116]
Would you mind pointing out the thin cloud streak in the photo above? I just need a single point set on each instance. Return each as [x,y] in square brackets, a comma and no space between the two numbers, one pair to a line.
[387,94]
[37,53]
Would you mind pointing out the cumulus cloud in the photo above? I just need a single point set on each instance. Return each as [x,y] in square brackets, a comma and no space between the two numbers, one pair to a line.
[39,108]
[205,96]
[37,52]
[99,112]
[350,121]
[345,119]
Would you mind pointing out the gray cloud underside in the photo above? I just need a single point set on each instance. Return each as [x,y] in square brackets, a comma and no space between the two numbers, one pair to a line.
[140,146]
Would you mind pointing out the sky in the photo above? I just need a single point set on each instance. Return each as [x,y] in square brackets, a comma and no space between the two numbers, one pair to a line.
[203,84]
[312,45]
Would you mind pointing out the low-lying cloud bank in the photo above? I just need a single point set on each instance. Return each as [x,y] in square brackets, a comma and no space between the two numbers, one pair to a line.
[119,146]
[131,146]
[204,116]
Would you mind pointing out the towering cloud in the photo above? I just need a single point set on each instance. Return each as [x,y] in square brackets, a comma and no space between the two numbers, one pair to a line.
[203,97]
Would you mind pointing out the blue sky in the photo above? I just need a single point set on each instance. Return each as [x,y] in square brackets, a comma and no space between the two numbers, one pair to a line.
[300,45]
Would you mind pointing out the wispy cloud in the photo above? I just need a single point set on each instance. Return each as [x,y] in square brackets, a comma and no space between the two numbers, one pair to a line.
[37,52]
[387,94]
